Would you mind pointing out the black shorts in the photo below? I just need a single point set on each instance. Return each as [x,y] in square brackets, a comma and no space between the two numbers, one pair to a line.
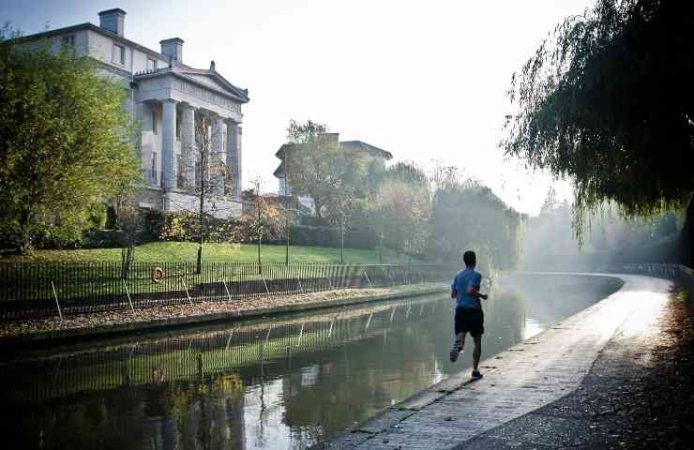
[469,320]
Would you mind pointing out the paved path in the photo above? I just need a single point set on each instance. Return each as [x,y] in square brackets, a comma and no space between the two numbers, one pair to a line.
[520,380]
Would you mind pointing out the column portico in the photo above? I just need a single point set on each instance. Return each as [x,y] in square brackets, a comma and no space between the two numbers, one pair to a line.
[168,149]
[218,169]
[234,157]
[188,155]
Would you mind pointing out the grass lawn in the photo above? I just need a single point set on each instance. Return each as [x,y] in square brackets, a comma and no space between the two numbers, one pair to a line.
[161,252]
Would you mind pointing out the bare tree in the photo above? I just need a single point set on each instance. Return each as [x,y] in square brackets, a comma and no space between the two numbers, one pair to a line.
[130,227]
[203,174]
[258,223]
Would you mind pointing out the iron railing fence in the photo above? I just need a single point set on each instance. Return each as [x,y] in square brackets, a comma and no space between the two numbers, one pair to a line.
[677,272]
[50,289]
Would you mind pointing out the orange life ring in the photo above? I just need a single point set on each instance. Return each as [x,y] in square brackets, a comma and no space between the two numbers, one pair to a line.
[156,275]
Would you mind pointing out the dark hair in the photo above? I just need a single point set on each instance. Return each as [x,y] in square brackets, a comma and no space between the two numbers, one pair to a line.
[470,258]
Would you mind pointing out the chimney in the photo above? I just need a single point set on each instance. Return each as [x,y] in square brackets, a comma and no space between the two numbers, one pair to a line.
[113,20]
[332,138]
[172,48]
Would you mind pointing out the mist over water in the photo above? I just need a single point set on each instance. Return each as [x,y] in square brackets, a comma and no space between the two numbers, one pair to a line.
[551,241]
[289,381]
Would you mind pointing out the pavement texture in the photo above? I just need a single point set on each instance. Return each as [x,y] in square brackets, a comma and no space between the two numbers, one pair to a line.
[596,380]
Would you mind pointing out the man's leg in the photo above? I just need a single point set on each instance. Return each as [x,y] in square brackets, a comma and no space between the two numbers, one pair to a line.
[477,352]
[460,340]
[457,346]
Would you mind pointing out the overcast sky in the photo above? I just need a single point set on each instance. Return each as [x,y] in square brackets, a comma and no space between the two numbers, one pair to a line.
[424,80]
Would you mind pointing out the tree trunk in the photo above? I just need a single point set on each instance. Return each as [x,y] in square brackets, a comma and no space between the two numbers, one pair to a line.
[380,249]
[201,220]
[287,229]
[687,238]
[317,205]
[260,266]
[342,242]
[127,256]
[24,242]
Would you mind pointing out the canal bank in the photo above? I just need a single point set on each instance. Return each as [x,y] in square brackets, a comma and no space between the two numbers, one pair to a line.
[55,331]
[623,328]
[286,381]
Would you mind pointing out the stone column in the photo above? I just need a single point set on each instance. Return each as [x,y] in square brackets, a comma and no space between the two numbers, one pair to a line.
[234,157]
[168,149]
[142,111]
[188,145]
[218,157]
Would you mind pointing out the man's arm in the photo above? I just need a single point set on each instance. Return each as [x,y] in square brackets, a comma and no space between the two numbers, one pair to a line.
[474,290]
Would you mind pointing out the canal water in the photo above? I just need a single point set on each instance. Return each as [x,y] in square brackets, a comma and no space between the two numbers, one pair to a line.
[283,382]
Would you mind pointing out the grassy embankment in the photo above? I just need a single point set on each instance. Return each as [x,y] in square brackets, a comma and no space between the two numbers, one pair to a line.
[93,273]
[185,252]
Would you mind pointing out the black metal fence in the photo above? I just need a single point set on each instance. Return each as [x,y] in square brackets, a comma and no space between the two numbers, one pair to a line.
[51,289]
[677,272]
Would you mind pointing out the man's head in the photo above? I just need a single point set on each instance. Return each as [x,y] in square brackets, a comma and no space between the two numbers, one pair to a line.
[470,258]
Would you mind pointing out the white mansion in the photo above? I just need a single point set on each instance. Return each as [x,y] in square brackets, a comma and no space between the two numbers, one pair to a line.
[166,96]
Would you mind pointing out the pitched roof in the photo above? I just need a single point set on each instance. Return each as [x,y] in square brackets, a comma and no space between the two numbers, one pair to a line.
[348,145]
[279,171]
[178,68]
[368,148]
[208,79]
[345,145]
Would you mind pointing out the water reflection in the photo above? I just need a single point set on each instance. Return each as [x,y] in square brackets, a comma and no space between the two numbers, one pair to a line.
[279,383]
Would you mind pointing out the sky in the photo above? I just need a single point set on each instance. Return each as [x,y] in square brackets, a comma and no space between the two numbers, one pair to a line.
[426,81]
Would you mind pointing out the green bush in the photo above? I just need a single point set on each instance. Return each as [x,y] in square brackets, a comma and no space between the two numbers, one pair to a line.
[183,227]
[46,236]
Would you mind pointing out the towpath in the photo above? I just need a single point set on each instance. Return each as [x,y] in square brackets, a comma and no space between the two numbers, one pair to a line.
[561,388]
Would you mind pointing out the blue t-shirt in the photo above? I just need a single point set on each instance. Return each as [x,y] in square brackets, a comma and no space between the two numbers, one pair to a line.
[462,281]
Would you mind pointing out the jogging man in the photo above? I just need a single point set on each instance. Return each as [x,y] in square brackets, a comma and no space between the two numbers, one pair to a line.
[468,310]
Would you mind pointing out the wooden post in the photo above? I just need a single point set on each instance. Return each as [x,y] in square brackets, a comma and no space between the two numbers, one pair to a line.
[301,333]
[367,278]
[187,293]
[229,340]
[265,284]
[125,286]
[330,332]
[226,289]
[57,304]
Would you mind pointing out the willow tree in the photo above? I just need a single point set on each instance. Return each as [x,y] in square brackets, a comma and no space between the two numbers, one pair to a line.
[65,142]
[606,101]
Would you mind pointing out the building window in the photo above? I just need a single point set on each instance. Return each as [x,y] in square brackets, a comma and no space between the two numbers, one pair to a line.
[118,54]
[178,126]
[151,64]
[154,168]
[68,41]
